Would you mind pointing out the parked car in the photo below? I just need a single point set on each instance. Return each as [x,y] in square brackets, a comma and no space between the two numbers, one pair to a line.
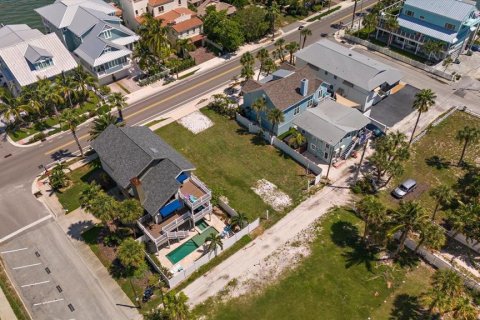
[403,189]
[301,27]
[375,130]
[323,34]
[475,47]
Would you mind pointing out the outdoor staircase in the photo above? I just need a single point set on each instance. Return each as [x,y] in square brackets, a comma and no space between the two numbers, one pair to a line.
[172,235]
[348,150]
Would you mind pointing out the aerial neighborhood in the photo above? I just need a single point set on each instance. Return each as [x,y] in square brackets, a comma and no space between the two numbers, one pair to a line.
[236,159]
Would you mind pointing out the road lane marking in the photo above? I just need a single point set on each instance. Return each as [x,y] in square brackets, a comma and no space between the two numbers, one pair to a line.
[155,104]
[10,251]
[13,234]
[47,302]
[34,284]
[27,266]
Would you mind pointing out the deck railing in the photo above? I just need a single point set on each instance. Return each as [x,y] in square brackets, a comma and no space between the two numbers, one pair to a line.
[144,229]
[199,215]
[177,222]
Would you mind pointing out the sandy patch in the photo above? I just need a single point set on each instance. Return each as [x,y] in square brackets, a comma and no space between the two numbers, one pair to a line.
[271,195]
[196,122]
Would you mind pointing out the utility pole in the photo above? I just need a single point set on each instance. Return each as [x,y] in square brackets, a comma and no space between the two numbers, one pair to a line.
[355,178]
[329,165]
[354,11]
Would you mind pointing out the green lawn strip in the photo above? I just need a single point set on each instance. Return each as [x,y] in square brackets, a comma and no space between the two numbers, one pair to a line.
[215,262]
[434,160]
[337,281]
[123,88]
[230,161]
[321,15]
[154,122]
[11,295]
[187,74]
[80,178]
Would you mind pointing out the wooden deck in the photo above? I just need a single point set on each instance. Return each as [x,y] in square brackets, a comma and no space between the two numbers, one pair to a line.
[189,188]
[156,229]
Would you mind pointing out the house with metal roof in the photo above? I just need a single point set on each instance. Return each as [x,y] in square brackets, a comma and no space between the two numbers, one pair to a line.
[332,130]
[289,90]
[147,168]
[94,34]
[360,80]
[27,55]
[450,23]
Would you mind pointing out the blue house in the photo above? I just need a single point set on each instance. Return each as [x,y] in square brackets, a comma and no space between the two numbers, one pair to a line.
[289,90]
[452,23]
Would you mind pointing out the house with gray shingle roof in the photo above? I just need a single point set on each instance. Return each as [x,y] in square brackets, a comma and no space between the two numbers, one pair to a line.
[358,78]
[27,55]
[451,23]
[91,30]
[289,90]
[332,130]
[147,168]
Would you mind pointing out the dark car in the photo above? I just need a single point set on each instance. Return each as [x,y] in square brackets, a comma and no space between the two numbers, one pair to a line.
[403,189]
[301,27]
[375,130]
[323,34]
[475,47]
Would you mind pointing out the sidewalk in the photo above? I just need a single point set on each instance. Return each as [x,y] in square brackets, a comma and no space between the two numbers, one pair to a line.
[6,312]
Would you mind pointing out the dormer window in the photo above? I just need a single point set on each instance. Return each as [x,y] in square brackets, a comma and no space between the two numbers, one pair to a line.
[107,34]
[44,63]
[106,49]
[409,13]
[449,26]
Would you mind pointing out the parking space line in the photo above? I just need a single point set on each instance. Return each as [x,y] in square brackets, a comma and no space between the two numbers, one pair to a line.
[27,266]
[34,284]
[47,302]
[10,251]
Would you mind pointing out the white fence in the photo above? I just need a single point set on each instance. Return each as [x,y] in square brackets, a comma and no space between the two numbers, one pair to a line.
[227,243]
[399,57]
[231,212]
[307,163]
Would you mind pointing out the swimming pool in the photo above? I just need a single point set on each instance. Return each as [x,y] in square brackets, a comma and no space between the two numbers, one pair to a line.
[201,224]
[182,251]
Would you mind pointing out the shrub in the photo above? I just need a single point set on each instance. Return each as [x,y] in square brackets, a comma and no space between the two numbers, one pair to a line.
[39,136]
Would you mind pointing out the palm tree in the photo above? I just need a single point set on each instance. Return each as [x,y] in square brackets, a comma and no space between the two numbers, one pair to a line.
[104,208]
[214,241]
[50,94]
[87,196]
[247,72]
[373,213]
[447,285]
[11,107]
[262,55]
[432,236]
[292,47]
[391,25]
[370,22]
[273,13]
[275,117]
[58,179]
[247,60]
[463,218]
[259,106]
[464,309]
[280,49]
[432,47]
[101,123]
[424,99]
[467,135]
[447,62]
[65,87]
[443,194]
[129,212]
[269,66]
[71,120]
[175,306]
[239,220]
[155,36]
[305,32]
[183,47]
[131,255]
[297,140]
[83,80]
[117,100]
[409,217]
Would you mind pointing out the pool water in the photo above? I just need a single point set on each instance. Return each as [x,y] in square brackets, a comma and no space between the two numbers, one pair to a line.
[201,224]
[182,251]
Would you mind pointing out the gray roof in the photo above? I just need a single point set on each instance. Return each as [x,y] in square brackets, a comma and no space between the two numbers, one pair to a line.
[427,29]
[16,33]
[331,121]
[128,151]
[349,65]
[34,53]
[285,92]
[454,9]
[160,184]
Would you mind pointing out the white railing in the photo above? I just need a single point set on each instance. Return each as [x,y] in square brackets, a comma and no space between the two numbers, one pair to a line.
[144,229]
[197,203]
[200,184]
[177,222]
[199,215]
[177,234]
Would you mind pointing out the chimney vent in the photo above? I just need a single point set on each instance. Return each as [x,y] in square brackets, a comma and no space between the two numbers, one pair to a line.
[304,87]
[138,191]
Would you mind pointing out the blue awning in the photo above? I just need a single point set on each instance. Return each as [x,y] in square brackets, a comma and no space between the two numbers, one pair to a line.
[182,177]
[170,208]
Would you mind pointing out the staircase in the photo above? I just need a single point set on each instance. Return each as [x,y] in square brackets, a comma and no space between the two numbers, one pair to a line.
[346,153]
[173,235]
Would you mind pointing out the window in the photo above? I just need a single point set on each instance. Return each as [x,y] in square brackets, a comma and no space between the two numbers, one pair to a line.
[327,146]
[42,64]
[345,82]
[310,103]
[313,147]
[160,9]
[409,13]
[334,77]
[296,110]
[326,72]
[107,34]
[179,2]
[449,26]
[136,12]
[325,155]
[422,17]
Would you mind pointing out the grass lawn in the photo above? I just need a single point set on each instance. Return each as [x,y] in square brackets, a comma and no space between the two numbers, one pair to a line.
[11,295]
[79,180]
[434,160]
[339,280]
[230,161]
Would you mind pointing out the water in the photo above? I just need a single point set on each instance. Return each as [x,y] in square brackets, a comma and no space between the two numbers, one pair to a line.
[21,11]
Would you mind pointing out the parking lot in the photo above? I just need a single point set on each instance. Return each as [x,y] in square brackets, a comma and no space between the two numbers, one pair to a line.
[52,280]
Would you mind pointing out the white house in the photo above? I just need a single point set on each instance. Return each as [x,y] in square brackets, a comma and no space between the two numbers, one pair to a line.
[352,75]
[92,31]
[27,55]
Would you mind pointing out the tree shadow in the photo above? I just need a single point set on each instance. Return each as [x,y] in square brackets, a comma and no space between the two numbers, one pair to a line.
[407,307]
[469,184]
[258,140]
[61,154]
[76,230]
[360,255]
[438,163]
[344,234]
[407,259]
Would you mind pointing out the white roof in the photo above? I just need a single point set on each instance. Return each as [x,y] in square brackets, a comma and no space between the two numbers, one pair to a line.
[428,29]
[454,9]
[349,65]
[16,33]
[19,58]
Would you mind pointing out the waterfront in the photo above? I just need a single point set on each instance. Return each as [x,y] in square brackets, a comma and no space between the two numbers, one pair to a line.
[21,11]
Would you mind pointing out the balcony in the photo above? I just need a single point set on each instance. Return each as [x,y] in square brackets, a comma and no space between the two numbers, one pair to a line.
[114,69]
[194,193]
[418,38]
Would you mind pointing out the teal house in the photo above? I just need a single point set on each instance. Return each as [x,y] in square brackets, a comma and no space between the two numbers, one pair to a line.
[451,24]
[289,90]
